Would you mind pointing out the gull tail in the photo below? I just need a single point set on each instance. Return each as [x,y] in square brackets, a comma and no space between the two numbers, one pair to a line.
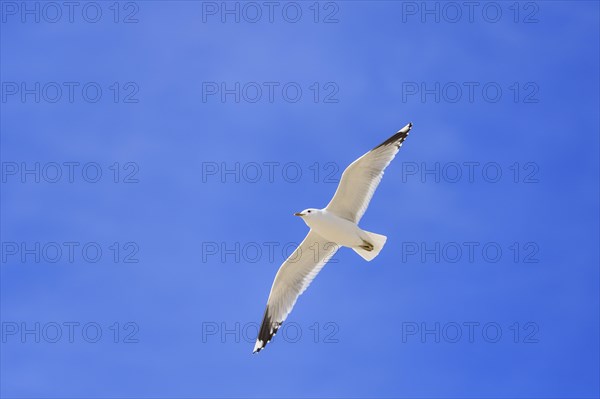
[373,245]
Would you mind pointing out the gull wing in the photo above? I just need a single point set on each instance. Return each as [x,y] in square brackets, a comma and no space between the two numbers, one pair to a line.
[292,279]
[360,180]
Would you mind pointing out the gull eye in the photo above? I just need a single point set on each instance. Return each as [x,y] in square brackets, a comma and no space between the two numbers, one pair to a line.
[308,211]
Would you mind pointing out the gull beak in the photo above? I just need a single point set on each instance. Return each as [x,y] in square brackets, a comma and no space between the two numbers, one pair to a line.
[298,214]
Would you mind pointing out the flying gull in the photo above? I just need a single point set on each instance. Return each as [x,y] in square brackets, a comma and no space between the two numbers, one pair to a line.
[334,226]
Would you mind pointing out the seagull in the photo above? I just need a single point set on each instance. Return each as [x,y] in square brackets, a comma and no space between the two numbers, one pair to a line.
[334,226]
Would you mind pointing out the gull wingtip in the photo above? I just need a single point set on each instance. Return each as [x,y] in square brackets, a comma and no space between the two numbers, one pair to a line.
[406,128]
[258,346]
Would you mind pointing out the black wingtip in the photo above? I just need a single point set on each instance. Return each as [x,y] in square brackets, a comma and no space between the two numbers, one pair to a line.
[268,329]
[398,138]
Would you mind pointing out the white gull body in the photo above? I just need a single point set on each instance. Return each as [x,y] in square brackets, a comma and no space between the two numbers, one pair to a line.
[335,229]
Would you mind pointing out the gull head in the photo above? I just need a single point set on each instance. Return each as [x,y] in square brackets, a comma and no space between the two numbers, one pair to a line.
[307,213]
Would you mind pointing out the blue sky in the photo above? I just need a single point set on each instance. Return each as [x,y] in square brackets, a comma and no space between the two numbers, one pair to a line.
[142,227]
